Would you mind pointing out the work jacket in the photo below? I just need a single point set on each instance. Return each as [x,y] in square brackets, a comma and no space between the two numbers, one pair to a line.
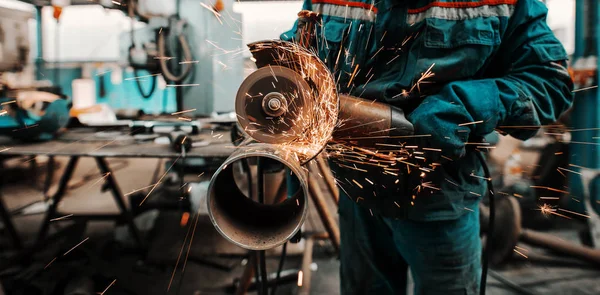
[495,60]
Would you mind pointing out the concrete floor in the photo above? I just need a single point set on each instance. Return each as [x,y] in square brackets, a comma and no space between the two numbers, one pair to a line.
[150,272]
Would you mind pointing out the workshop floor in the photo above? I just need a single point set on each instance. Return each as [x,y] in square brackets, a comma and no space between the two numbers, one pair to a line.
[152,272]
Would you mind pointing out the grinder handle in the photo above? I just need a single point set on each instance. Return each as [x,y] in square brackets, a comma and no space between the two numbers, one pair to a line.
[369,122]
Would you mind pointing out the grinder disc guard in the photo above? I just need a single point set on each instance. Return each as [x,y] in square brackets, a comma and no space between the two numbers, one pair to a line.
[273,105]
[291,77]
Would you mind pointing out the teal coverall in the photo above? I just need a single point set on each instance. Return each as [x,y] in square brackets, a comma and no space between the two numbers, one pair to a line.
[496,65]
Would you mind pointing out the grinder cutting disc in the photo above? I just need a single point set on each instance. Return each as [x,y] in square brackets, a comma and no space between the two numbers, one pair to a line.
[273,104]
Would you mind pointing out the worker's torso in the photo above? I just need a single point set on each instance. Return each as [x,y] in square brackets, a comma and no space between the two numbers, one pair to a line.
[395,41]
[379,50]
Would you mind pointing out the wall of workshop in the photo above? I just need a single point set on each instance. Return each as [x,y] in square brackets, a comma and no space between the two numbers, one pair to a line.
[88,36]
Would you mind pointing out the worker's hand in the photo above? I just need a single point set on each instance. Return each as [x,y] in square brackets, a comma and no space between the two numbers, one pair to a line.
[442,125]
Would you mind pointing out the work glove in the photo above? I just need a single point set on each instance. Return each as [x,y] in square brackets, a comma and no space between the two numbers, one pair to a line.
[453,121]
[438,121]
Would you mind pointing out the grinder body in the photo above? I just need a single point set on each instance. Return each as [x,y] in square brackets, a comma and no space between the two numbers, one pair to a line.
[366,123]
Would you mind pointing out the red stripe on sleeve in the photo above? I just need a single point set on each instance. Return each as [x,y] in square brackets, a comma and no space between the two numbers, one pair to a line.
[347,3]
[462,5]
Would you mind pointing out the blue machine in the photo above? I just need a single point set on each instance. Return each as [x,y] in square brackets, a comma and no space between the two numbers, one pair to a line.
[29,125]
[198,40]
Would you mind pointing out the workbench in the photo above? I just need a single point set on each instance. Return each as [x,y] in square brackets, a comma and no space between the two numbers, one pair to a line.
[214,147]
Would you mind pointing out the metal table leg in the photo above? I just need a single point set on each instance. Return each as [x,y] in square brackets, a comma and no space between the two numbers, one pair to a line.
[119,199]
[8,225]
[5,214]
[56,198]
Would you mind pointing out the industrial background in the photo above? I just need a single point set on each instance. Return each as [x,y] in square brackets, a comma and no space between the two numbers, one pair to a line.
[115,115]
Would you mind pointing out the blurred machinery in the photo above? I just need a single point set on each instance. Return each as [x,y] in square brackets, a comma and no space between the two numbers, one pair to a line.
[187,43]
[14,39]
[26,105]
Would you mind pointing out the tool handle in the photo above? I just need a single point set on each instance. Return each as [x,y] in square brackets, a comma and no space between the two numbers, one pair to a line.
[369,122]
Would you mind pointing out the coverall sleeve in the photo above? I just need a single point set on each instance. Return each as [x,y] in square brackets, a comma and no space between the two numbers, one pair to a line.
[289,35]
[535,90]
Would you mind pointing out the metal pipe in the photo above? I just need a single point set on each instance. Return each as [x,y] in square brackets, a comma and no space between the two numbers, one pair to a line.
[247,223]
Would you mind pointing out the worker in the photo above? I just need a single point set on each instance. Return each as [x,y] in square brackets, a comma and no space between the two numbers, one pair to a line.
[494,65]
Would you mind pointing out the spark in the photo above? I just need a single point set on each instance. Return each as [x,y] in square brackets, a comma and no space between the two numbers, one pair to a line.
[449,159]
[450,181]
[484,178]
[110,285]
[575,172]
[138,77]
[549,198]
[522,249]
[102,73]
[352,76]
[583,142]
[432,149]
[549,188]
[429,186]
[189,62]
[469,209]
[4,149]
[575,213]
[61,218]
[358,184]
[76,246]
[183,112]
[3,112]
[182,85]
[393,59]
[26,127]
[470,123]
[547,210]
[187,234]
[191,242]
[164,57]
[584,89]
[300,278]
[47,265]
[184,119]
[7,102]
[101,178]
[518,252]
[137,190]
[573,165]
[475,194]
[159,181]
[200,174]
